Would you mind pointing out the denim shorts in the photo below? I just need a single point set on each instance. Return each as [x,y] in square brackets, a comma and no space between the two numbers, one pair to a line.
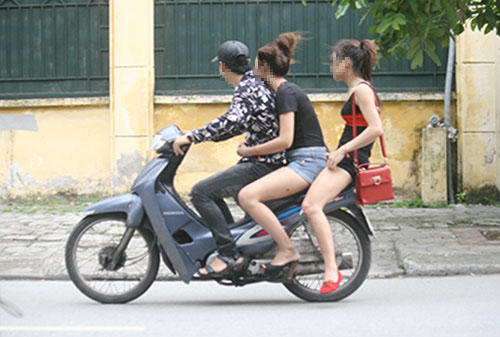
[307,162]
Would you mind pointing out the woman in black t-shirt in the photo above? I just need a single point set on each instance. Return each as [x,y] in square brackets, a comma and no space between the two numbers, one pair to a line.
[300,134]
[352,62]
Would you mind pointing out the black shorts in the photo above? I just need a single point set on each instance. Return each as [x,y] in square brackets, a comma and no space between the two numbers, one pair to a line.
[347,164]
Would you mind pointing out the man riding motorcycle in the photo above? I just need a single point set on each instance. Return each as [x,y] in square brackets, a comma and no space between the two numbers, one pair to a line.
[252,111]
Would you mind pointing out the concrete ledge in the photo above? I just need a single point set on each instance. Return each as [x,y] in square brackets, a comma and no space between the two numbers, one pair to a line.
[327,97]
[194,99]
[384,96]
[207,99]
[44,102]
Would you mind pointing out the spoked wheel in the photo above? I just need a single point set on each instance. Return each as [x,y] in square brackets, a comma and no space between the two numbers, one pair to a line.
[352,252]
[89,259]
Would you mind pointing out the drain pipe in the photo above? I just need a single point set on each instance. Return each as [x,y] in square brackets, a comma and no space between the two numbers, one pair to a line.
[451,132]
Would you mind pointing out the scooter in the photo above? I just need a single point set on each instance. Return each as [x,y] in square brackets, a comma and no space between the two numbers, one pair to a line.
[113,253]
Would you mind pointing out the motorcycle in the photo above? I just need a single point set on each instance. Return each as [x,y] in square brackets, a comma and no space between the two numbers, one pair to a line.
[113,253]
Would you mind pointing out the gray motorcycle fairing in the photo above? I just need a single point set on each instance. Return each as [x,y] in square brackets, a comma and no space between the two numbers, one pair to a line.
[129,203]
[146,187]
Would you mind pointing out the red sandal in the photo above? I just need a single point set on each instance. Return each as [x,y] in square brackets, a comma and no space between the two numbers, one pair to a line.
[329,287]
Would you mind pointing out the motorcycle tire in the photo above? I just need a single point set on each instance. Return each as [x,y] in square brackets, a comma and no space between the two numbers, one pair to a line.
[89,249]
[353,257]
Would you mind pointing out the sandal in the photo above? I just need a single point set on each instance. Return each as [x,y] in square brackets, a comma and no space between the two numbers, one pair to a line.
[232,265]
[274,273]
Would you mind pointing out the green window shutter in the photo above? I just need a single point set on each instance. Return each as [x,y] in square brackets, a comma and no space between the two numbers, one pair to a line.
[187,34]
[53,48]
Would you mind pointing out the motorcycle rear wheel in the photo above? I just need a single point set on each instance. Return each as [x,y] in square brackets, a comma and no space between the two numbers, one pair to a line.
[90,248]
[353,257]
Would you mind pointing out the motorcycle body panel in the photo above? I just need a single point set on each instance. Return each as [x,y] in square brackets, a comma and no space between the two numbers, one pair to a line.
[155,203]
[129,203]
[189,234]
[185,241]
[251,238]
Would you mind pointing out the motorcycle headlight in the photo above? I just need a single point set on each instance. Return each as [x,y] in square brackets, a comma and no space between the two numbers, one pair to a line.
[157,142]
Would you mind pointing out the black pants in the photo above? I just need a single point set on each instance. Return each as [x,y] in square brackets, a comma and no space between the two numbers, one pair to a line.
[207,197]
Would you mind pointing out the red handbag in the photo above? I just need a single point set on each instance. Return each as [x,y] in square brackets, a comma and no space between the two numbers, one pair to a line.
[373,180]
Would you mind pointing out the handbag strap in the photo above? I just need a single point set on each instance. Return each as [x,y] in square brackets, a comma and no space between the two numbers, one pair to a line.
[354,129]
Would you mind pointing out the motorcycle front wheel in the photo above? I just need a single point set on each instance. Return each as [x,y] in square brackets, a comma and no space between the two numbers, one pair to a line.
[89,252]
[352,253]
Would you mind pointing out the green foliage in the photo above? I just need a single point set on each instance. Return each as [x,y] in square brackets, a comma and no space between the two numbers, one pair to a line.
[461,197]
[486,195]
[411,203]
[413,28]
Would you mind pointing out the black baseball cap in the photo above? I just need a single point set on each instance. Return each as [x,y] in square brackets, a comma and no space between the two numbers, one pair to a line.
[233,53]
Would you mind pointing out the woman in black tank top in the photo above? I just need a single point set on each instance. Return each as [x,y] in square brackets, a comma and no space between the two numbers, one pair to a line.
[352,62]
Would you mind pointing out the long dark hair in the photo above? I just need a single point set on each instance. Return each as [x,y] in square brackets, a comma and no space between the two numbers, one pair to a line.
[363,55]
[278,53]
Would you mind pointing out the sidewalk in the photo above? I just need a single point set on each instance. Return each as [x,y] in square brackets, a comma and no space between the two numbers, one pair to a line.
[408,242]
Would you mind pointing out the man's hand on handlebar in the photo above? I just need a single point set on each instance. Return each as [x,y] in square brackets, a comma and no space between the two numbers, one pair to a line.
[179,142]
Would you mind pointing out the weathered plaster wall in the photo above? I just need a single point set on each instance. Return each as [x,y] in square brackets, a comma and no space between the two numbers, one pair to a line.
[131,86]
[69,151]
[478,87]
[403,121]
[72,149]
[433,167]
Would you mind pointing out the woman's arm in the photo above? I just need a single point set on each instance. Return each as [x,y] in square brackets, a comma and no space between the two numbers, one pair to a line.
[365,100]
[280,143]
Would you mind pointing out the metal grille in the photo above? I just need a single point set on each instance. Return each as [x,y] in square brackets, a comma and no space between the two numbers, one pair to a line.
[53,48]
[188,32]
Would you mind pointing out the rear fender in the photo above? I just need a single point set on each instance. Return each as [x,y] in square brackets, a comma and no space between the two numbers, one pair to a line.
[348,201]
[130,204]
[360,216]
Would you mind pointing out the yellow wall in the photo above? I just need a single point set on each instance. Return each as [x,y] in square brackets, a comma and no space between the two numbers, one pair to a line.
[478,109]
[72,150]
[68,153]
[403,122]
[131,85]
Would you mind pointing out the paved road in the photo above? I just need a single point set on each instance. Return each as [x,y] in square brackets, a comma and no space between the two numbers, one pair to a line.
[451,306]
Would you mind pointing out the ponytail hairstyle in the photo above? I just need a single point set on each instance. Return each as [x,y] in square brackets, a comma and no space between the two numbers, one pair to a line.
[363,55]
[278,53]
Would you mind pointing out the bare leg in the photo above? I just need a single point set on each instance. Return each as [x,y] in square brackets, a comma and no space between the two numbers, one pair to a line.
[327,186]
[278,184]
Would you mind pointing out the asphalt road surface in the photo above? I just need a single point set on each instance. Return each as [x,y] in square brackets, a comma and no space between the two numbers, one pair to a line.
[450,306]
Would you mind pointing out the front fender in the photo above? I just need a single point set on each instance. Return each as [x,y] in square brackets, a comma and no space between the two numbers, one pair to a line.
[130,204]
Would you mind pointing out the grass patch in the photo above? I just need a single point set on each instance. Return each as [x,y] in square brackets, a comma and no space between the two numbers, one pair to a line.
[410,203]
[486,195]
[54,204]
[491,235]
